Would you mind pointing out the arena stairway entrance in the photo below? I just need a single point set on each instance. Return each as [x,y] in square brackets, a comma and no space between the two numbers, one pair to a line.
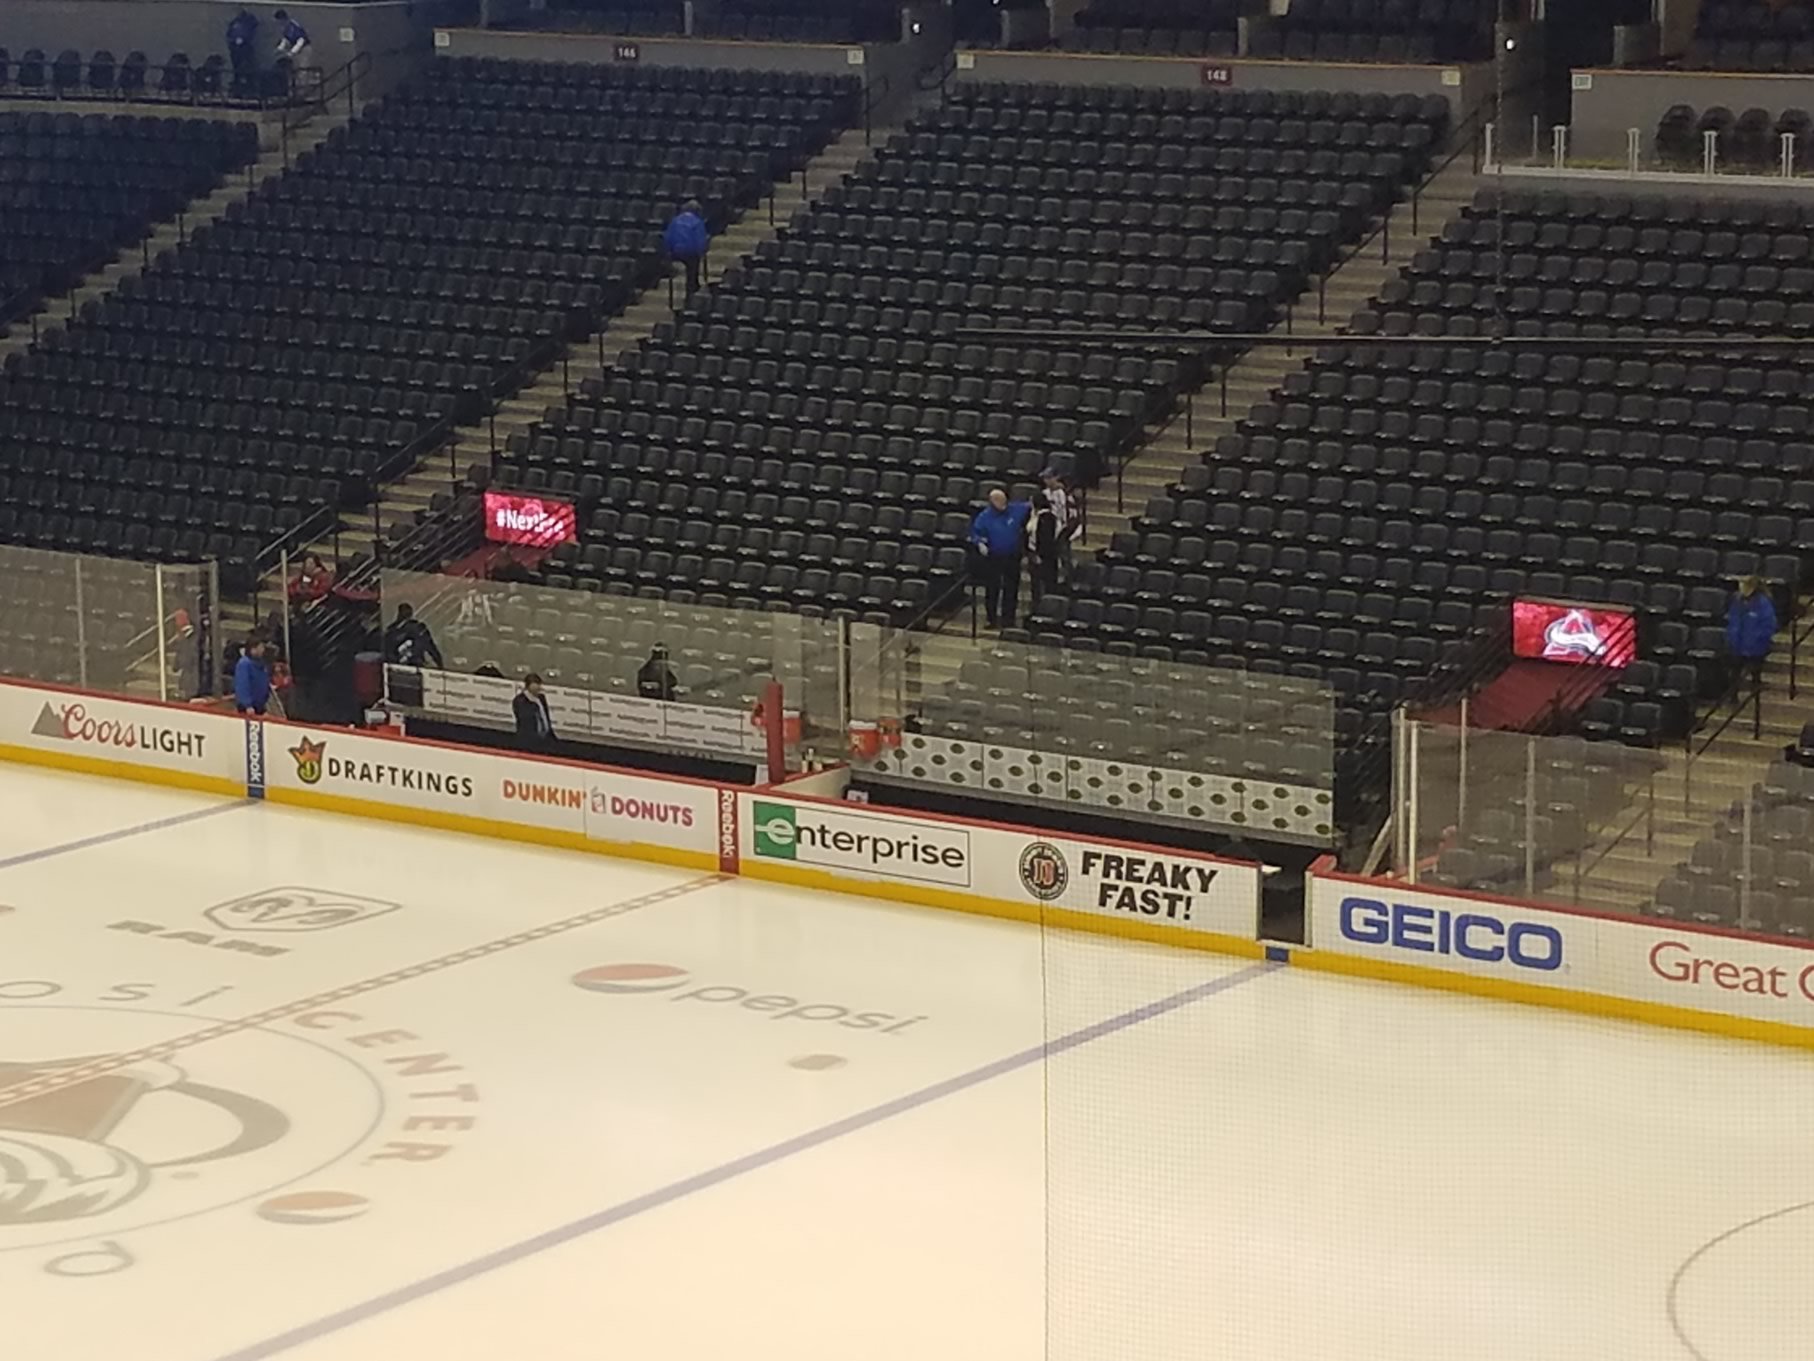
[1156,465]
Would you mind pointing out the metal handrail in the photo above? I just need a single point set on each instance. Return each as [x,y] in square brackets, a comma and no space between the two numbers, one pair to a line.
[870,105]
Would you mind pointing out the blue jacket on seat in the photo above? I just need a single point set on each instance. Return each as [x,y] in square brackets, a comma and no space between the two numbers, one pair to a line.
[1751,625]
[687,236]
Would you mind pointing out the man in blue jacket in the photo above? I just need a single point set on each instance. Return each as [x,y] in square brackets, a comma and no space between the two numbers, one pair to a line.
[240,33]
[251,679]
[1750,629]
[687,238]
[999,532]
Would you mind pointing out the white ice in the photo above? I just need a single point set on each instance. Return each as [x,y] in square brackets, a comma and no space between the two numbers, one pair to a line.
[482,1159]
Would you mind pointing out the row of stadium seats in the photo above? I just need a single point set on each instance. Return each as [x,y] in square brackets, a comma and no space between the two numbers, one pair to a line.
[342,317]
[74,191]
[1749,35]
[1768,886]
[1419,476]
[176,79]
[1751,140]
[834,343]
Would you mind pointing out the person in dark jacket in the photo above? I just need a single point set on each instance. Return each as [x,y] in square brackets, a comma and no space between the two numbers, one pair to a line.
[997,533]
[687,239]
[1044,545]
[654,679]
[407,642]
[241,31]
[1750,628]
[251,680]
[534,724]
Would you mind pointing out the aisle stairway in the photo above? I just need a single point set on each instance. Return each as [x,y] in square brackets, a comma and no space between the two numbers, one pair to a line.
[167,236]
[1259,372]
[437,475]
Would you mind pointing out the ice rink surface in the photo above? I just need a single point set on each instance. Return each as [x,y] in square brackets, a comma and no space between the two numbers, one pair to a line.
[275,1083]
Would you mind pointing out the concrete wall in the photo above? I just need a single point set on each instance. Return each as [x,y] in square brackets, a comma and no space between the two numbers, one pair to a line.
[1679,186]
[198,27]
[706,52]
[1638,99]
[889,70]
[1463,86]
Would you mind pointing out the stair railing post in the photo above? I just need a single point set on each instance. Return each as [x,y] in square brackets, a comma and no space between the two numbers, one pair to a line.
[1650,819]
[1225,389]
[1744,864]
[1322,299]
[1530,816]
[283,577]
[1757,705]
[1190,411]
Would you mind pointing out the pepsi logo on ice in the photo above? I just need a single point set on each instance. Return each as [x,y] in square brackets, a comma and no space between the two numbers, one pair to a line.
[1477,936]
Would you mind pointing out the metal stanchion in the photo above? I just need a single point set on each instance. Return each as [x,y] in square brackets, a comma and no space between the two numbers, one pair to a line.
[1530,817]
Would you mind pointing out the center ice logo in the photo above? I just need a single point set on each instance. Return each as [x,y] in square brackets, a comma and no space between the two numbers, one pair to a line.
[631,978]
[665,978]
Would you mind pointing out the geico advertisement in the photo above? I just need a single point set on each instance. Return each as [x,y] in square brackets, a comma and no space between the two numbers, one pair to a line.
[878,845]
[160,736]
[1640,959]
[1140,883]
[1397,922]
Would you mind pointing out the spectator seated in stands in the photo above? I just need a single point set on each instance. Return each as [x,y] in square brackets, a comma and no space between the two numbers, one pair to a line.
[655,679]
[314,581]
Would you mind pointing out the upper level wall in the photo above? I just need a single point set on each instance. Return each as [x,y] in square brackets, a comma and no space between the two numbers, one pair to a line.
[1464,86]
[888,69]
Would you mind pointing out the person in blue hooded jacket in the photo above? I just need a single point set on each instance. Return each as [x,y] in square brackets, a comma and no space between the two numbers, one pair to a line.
[687,239]
[1750,628]
[999,532]
[251,678]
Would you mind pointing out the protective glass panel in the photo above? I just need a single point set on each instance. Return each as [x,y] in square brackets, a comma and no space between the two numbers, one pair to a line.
[98,623]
